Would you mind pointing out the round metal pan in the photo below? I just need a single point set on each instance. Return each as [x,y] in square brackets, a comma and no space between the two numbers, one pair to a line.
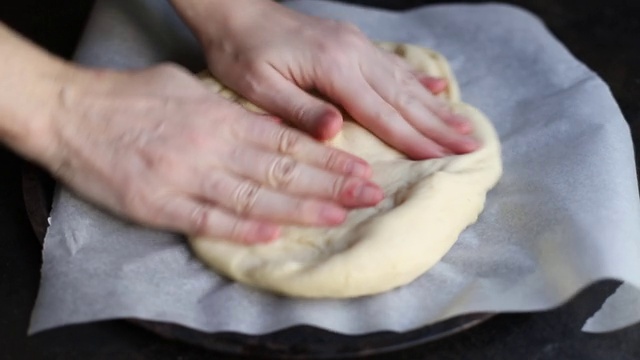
[298,342]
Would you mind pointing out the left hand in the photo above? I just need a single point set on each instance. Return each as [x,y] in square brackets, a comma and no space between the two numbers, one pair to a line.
[273,56]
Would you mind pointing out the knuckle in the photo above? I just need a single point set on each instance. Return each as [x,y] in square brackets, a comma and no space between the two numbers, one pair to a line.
[347,39]
[245,84]
[252,82]
[405,78]
[235,154]
[282,172]
[159,162]
[394,133]
[303,210]
[405,100]
[340,60]
[387,115]
[198,220]
[240,231]
[333,160]
[245,196]
[348,31]
[288,141]
[339,184]
[335,56]
[348,189]
[441,108]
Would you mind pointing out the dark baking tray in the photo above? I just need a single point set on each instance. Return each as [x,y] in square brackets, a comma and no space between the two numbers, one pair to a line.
[297,342]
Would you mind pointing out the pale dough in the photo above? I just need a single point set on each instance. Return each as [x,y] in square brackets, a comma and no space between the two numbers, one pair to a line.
[428,204]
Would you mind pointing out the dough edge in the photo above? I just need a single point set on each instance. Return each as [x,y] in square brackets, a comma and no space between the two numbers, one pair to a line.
[386,259]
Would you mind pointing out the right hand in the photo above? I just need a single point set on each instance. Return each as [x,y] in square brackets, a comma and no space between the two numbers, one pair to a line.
[157,147]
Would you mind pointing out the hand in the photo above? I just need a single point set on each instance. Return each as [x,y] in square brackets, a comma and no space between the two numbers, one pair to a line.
[273,55]
[159,148]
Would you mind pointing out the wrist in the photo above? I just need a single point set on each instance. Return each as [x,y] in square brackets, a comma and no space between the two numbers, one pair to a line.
[31,83]
[216,21]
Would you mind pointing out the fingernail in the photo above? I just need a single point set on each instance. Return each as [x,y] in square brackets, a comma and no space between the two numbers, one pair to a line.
[357,168]
[369,194]
[471,144]
[332,215]
[461,124]
[440,152]
[276,119]
[266,233]
[327,125]
[463,129]
[461,120]
[446,152]
[434,84]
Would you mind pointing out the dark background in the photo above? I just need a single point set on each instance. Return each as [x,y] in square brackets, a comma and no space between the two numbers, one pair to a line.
[603,34]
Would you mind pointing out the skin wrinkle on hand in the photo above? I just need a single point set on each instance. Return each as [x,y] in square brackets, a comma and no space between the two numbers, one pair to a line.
[428,203]
[120,138]
[109,142]
[274,65]
[281,172]
[245,197]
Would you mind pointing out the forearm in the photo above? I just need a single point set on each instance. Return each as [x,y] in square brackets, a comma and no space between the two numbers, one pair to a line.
[30,84]
[213,20]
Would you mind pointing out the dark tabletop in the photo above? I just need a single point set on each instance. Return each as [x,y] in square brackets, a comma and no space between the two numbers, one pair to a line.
[603,34]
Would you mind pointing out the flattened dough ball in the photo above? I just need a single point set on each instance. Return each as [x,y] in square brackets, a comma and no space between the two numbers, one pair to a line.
[428,204]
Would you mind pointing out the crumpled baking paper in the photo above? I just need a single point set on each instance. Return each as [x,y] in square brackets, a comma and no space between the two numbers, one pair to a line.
[620,310]
[565,213]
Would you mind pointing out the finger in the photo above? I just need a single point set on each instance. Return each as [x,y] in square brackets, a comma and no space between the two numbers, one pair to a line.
[297,178]
[444,112]
[246,198]
[373,112]
[285,140]
[285,99]
[401,90]
[434,84]
[197,218]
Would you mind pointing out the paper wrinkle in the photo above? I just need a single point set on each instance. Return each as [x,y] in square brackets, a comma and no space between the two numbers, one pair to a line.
[563,215]
[620,310]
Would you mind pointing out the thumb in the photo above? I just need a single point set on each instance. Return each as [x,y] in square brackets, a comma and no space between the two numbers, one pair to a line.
[310,114]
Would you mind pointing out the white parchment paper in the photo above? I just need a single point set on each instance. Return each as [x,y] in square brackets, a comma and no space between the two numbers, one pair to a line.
[620,310]
[565,213]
